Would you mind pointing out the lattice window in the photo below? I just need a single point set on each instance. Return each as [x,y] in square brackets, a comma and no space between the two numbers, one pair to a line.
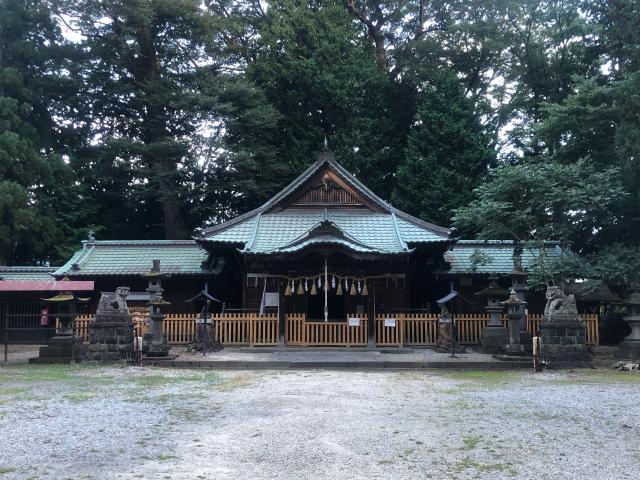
[327,193]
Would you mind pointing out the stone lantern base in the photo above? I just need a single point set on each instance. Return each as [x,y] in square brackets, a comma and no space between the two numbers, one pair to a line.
[493,339]
[61,349]
[629,348]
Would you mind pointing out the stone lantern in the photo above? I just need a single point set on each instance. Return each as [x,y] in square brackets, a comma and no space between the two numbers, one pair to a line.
[155,340]
[494,336]
[519,284]
[64,346]
[514,313]
[445,328]
[630,346]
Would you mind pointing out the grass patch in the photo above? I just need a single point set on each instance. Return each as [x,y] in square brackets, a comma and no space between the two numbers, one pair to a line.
[193,413]
[480,378]
[466,464]
[7,470]
[471,441]
[79,397]
[165,458]
[237,381]
[11,391]
[595,376]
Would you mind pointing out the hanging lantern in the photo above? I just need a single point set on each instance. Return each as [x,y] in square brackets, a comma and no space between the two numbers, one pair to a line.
[353,288]
[333,281]
[300,290]
[319,282]
[339,290]
[364,289]
[359,286]
[306,285]
[287,291]
[313,289]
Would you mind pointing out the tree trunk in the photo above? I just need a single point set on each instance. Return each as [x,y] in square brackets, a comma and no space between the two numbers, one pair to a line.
[156,130]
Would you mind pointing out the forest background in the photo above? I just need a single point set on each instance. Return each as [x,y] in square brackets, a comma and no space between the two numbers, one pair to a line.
[145,119]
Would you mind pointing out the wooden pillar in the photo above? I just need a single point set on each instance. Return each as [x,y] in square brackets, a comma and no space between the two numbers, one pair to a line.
[282,301]
[371,313]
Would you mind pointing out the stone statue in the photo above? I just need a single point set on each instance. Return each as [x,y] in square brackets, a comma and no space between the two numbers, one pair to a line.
[554,299]
[559,305]
[112,328]
[113,305]
[563,332]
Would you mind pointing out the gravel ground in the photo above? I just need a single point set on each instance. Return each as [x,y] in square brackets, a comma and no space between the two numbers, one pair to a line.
[337,354]
[109,422]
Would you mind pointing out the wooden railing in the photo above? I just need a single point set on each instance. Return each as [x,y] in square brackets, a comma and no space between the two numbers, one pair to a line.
[300,332]
[246,329]
[422,329]
[253,329]
[469,327]
[180,329]
[411,329]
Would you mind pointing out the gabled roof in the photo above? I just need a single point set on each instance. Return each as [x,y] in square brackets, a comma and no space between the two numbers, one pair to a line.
[490,256]
[134,257]
[26,273]
[369,223]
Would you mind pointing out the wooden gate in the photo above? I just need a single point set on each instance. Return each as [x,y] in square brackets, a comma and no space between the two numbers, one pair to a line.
[299,332]
[411,329]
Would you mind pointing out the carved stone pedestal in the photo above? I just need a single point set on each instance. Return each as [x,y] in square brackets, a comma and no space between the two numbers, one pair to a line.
[564,335]
[60,349]
[630,346]
[112,329]
[494,336]
[155,340]
[493,339]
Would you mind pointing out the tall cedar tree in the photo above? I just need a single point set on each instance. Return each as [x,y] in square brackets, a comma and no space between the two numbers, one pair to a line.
[41,212]
[146,109]
[446,157]
[323,80]
[600,120]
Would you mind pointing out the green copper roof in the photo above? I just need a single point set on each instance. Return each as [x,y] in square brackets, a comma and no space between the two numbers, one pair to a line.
[134,257]
[27,273]
[490,256]
[374,228]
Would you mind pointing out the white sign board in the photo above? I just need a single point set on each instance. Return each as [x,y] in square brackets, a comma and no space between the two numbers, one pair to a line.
[271,299]
[354,322]
[390,322]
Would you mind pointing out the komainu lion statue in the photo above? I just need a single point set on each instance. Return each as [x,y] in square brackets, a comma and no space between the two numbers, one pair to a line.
[559,303]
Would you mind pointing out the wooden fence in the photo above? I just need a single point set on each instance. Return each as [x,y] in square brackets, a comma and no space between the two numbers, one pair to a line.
[299,332]
[180,329]
[254,329]
[246,329]
[422,329]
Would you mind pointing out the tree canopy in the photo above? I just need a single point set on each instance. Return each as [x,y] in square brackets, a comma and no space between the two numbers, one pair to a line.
[148,119]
